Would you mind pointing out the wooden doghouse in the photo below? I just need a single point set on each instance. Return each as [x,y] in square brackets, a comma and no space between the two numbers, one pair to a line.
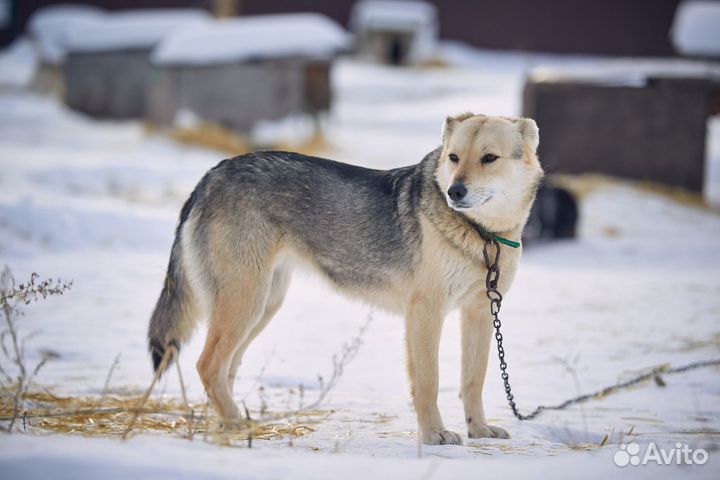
[107,62]
[238,72]
[645,125]
[395,32]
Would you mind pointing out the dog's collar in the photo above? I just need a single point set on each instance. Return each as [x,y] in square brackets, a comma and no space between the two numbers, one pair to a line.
[486,234]
[505,241]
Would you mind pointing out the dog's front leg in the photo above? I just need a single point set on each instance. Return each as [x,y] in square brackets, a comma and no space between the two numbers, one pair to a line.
[476,335]
[422,330]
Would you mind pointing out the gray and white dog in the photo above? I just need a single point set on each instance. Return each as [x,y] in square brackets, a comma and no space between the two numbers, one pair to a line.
[408,240]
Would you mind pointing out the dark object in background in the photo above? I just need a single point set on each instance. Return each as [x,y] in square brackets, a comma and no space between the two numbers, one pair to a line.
[107,84]
[652,129]
[107,62]
[159,64]
[249,79]
[395,32]
[237,95]
[396,52]
[554,215]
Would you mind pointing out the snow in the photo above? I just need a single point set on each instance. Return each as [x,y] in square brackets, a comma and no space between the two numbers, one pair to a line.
[49,27]
[628,72]
[29,458]
[696,28]
[294,129]
[389,14]
[625,71]
[97,202]
[254,37]
[17,64]
[132,29]
[60,29]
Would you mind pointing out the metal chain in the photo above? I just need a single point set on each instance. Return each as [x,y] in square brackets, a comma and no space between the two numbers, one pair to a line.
[492,263]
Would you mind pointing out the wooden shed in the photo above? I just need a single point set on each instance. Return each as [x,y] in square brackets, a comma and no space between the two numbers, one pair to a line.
[644,121]
[47,29]
[238,72]
[107,62]
[394,31]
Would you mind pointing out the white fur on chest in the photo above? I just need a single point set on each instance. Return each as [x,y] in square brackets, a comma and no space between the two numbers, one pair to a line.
[462,278]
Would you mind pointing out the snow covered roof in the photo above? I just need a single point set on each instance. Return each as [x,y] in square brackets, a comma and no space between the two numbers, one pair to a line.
[392,14]
[49,26]
[131,29]
[696,28]
[627,72]
[254,37]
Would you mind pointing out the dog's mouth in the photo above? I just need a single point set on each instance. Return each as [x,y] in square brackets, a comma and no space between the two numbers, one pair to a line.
[467,204]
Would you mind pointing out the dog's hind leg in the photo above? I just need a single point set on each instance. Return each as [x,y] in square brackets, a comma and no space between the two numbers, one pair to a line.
[237,308]
[423,327]
[477,331]
[278,289]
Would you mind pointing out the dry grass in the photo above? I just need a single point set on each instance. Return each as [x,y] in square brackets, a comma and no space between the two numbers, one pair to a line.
[230,142]
[122,416]
[678,194]
[315,145]
[583,185]
[109,416]
[213,136]
[434,62]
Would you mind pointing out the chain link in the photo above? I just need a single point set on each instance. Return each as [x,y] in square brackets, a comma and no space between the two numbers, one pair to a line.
[492,263]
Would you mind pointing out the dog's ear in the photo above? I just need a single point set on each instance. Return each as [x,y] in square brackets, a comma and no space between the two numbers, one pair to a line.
[451,122]
[530,133]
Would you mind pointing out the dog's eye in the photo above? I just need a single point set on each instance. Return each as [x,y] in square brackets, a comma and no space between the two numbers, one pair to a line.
[453,158]
[489,158]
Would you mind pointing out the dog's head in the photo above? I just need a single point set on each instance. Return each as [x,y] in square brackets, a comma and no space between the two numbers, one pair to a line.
[488,168]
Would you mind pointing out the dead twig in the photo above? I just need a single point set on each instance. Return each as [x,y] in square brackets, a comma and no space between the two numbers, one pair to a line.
[163,365]
[184,396]
[12,296]
[106,385]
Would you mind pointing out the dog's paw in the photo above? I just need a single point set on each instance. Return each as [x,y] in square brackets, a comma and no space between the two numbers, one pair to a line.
[442,437]
[232,424]
[486,431]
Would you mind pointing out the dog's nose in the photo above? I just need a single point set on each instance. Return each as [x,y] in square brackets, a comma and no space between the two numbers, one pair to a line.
[457,192]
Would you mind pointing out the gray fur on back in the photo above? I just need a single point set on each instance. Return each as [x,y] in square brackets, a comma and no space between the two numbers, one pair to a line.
[358,224]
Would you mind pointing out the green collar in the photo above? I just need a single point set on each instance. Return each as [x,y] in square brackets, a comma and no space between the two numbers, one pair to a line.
[507,242]
[486,234]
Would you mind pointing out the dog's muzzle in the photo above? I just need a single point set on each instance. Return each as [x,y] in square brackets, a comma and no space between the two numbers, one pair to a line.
[460,198]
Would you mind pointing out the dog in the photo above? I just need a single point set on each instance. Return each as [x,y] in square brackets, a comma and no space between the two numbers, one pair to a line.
[408,240]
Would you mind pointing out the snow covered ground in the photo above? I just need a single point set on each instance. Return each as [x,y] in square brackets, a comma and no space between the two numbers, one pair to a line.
[96,202]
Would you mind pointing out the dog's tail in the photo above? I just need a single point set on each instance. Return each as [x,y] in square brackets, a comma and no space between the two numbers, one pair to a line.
[176,312]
